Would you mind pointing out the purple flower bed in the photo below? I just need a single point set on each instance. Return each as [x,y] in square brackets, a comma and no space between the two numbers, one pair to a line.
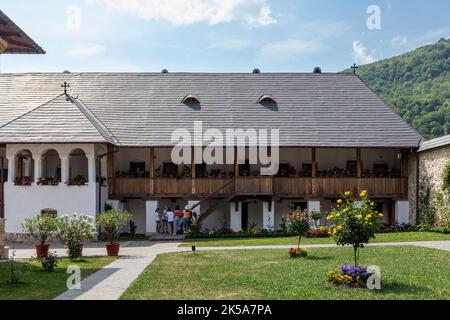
[357,273]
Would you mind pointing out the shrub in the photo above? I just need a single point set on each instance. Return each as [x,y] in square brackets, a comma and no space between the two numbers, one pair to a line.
[74,230]
[354,222]
[112,221]
[298,252]
[49,262]
[41,227]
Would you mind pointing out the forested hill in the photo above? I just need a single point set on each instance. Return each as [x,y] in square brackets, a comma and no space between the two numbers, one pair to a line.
[417,86]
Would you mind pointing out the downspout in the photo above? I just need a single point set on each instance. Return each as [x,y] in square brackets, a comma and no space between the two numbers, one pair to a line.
[100,157]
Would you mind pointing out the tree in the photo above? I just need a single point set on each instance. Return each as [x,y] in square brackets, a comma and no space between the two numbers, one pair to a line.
[298,222]
[354,222]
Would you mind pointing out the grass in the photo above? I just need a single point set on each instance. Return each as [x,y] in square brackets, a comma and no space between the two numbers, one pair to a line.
[407,273]
[39,285]
[381,237]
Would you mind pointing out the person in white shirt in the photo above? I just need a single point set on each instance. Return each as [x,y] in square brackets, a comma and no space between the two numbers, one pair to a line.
[158,220]
[170,215]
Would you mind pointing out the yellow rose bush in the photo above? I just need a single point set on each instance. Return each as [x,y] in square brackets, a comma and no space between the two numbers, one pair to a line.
[354,222]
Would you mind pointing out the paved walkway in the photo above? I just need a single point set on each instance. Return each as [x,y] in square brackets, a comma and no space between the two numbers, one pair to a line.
[110,282]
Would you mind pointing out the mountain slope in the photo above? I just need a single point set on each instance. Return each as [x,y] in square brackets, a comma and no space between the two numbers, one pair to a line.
[417,86]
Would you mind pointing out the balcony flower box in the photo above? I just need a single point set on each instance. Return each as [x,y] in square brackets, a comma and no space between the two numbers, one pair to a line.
[48,181]
[77,181]
[23,181]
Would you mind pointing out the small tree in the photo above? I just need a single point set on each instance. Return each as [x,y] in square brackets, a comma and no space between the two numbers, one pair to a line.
[41,227]
[74,230]
[112,221]
[354,222]
[298,222]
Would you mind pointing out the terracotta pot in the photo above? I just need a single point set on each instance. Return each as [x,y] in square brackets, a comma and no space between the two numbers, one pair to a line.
[42,250]
[113,249]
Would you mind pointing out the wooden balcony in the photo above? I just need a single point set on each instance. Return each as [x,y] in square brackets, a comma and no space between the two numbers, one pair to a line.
[274,186]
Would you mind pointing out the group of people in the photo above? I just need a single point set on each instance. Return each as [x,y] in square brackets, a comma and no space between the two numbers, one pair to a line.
[174,222]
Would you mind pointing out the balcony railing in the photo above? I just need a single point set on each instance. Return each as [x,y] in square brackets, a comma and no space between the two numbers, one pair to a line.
[277,186]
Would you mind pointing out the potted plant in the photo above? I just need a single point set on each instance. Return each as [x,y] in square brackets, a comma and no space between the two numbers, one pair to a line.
[73,230]
[112,221]
[41,228]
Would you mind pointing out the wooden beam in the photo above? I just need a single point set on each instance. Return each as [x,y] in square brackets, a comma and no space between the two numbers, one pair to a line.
[236,164]
[151,162]
[193,170]
[3,45]
[314,162]
[358,163]
[193,167]
[403,164]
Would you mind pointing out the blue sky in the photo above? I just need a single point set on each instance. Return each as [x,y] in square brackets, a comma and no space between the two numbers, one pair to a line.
[220,35]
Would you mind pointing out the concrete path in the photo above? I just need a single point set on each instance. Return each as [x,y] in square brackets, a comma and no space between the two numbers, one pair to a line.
[111,282]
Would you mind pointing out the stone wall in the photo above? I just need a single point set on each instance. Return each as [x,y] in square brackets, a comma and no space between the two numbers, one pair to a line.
[4,251]
[412,187]
[431,167]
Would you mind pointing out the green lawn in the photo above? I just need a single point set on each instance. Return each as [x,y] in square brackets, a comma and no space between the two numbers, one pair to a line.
[381,237]
[39,285]
[407,273]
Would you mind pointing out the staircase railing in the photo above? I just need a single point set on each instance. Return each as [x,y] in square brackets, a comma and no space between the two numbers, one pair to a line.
[209,197]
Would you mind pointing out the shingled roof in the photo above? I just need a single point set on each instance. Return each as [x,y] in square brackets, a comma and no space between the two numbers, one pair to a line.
[18,41]
[142,109]
[63,119]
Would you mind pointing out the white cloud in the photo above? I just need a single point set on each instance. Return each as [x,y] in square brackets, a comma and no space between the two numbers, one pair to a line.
[289,49]
[87,51]
[399,41]
[252,12]
[361,54]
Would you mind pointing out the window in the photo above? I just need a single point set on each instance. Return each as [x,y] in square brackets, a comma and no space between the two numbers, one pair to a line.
[191,100]
[266,100]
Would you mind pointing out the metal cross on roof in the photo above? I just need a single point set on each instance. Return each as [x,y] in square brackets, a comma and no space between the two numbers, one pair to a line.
[354,67]
[65,86]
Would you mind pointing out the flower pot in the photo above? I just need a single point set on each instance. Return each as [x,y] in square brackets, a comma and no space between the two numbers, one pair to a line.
[113,249]
[42,250]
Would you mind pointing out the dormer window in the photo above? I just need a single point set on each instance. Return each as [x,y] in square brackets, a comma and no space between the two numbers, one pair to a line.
[190,100]
[266,99]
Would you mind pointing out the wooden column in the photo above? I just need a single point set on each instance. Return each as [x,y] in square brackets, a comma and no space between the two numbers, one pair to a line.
[236,164]
[314,163]
[358,163]
[193,170]
[403,164]
[314,172]
[110,169]
[151,169]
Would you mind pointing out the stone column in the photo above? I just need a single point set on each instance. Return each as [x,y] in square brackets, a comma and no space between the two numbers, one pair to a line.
[268,215]
[150,220]
[64,168]
[402,211]
[313,205]
[37,166]
[91,169]
[236,216]
[11,169]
